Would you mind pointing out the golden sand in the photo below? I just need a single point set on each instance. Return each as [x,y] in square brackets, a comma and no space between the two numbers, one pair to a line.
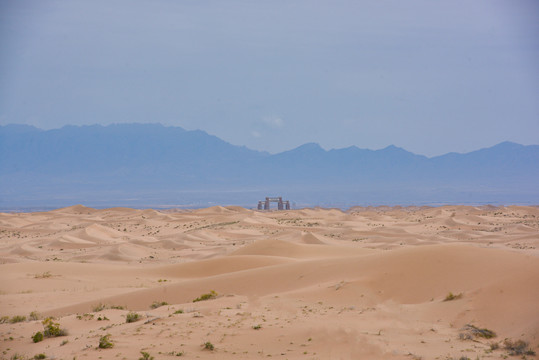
[369,283]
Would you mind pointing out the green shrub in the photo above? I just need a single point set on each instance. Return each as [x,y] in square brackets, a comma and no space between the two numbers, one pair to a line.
[38,336]
[180,311]
[52,329]
[17,319]
[208,346]
[157,304]
[145,356]
[451,296]
[99,307]
[40,356]
[105,342]
[34,315]
[211,295]
[132,317]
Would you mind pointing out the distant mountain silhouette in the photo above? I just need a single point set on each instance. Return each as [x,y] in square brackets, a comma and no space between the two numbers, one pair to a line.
[150,164]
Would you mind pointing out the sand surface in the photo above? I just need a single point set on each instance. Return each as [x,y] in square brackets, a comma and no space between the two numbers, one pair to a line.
[369,283]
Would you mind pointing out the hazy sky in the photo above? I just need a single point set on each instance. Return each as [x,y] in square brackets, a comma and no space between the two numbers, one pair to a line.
[429,76]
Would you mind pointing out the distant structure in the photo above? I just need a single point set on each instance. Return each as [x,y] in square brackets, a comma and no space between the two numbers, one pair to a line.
[281,205]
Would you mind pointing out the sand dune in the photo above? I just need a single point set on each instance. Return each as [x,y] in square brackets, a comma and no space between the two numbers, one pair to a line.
[368,283]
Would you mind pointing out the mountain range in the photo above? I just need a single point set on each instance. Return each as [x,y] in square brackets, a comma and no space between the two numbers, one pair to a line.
[152,165]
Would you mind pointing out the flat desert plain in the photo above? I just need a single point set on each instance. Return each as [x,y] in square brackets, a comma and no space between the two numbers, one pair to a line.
[367,283]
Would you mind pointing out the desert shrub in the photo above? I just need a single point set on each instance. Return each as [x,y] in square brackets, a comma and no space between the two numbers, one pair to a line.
[105,342]
[4,319]
[211,295]
[518,347]
[180,311]
[257,327]
[145,356]
[34,315]
[99,307]
[452,296]
[471,331]
[40,356]
[157,304]
[37,337]
[132,317]
[17,319]
[52,329]
[208,346]
[45,275]
[117,307]
[18,357]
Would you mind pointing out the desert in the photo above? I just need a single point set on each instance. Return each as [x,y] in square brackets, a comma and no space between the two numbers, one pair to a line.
[444,282]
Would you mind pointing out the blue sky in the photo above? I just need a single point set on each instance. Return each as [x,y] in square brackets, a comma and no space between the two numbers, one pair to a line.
[429,76]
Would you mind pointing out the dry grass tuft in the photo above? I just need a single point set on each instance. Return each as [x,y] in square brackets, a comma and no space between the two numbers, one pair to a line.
[517,347]
[470,332]
[452,296]
[211,295]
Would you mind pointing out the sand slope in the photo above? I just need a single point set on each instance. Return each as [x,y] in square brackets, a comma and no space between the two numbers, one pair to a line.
[369,283]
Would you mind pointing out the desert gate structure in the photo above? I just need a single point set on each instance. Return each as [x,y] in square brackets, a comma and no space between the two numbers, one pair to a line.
[281,205]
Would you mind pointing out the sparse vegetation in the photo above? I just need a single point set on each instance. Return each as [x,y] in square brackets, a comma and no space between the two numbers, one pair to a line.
[17,318]
[45,275]
[52,329]
[85,316]
[37,337]
[180,311]
[105,342]
[145,356]
[211,295]
[469,332]
[518,347]
[34,315]
[157,304]
[257,327]
[99,307]
[132,317]
[208,346]
[40,356]
[452,296]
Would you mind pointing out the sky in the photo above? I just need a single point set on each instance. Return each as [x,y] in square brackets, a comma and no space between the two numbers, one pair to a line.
[429,76]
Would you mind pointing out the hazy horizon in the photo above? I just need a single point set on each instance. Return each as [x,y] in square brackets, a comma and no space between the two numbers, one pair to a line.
[429,77]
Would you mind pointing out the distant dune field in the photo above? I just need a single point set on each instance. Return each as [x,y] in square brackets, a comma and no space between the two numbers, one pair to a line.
[368,283]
